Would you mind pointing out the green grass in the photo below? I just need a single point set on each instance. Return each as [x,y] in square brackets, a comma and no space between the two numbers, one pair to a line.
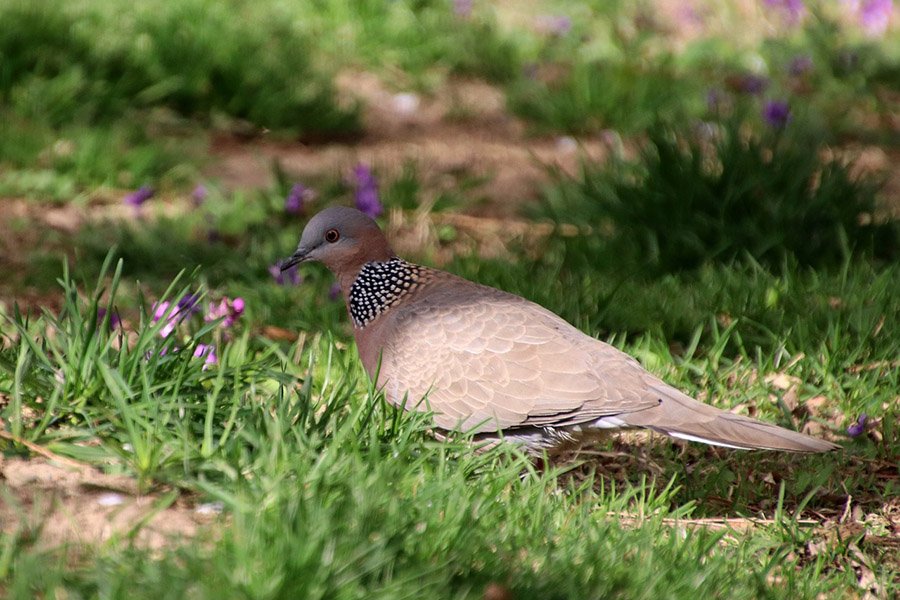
[621,67]
[94,94]
[333,494]
[423,40]
[96,61]
[99,94]
[687,202]
[72,162]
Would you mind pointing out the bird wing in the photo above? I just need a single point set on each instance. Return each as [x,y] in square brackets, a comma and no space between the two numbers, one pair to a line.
[486,360]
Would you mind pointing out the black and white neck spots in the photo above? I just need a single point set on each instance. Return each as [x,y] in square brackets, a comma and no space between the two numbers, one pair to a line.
[379,286]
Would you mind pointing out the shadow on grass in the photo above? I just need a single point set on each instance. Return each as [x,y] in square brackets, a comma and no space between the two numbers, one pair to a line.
[726,483]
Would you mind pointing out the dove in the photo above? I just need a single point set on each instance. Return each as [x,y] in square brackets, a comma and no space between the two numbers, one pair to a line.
[498,366]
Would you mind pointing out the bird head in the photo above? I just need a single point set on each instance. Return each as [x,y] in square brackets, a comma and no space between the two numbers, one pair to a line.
[341,238]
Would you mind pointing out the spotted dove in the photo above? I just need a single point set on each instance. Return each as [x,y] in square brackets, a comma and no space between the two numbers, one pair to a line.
[494,364]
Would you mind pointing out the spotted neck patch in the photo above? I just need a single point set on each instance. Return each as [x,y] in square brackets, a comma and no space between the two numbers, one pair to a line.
[379,286]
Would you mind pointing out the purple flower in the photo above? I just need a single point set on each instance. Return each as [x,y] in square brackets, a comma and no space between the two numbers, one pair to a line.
[288,277]
[875,16]
[715,100]
[334,292]
[462,8]
[753,84]
[227,309]
[800,65]
[160,311]
[188,305]
[777,113]
[185,307]
[688,15]
[293,204]
[137,198]
[367,200]
[791,12]
[114,320]
[198,196]
[859,427]
[558,25]
[209,351]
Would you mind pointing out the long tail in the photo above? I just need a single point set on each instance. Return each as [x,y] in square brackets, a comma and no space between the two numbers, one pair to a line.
[680,416]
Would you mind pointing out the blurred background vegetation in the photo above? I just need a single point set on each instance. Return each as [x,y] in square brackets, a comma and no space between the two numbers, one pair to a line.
[672,136]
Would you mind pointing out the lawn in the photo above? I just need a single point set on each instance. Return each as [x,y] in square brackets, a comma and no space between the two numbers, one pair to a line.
[711,188]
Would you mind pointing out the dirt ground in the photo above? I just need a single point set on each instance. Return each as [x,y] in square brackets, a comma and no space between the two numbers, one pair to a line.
[61,502]
[462,132]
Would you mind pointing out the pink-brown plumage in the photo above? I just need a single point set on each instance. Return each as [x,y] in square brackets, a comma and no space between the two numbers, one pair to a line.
[489,362]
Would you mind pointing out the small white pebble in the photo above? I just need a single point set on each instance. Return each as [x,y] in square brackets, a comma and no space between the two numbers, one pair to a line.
[406,103]
[612,140]
[756,63]
[110,500]
[209,508]
[707,131]
[566,144]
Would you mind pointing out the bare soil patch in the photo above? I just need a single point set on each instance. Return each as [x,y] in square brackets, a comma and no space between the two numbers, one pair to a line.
[56,503]
[461,133]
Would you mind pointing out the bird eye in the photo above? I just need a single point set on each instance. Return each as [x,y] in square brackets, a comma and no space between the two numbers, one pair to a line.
[332,235]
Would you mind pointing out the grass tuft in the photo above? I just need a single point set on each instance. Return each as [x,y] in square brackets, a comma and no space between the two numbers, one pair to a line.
[686,203]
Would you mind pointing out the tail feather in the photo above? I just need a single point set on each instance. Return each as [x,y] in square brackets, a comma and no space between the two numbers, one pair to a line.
[683,417]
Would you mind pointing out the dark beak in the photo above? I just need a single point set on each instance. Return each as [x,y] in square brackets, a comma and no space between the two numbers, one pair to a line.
[295,259]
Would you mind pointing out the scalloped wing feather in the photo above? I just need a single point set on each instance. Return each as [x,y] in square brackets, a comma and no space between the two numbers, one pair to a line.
[485,360]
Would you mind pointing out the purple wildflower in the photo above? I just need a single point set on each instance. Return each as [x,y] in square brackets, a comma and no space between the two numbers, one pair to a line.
[715,99]
[800,65]
[777,113]
[462,8]
[688,15]
[185,307]
[293,204]
[859,427]
[752,83]
[558,25]
[334,292]
[137,198]
[208,351]
[791,12]
[114,320]
[875,16]
[288,277]
[367,200]
[160,311]
[227,309]
[198,196]
[217,311]
[188,305]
